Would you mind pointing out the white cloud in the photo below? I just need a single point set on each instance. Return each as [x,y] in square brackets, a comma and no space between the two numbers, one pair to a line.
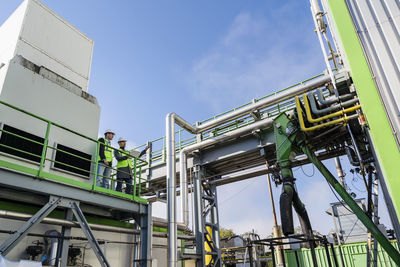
[256,56]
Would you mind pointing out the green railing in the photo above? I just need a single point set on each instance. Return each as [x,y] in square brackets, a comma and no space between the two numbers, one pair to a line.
[138,182]
[185,139]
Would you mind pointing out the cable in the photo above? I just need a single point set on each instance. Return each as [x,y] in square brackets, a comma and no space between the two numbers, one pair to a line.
[235,194]
[352,183]
[313,171]
[340,201]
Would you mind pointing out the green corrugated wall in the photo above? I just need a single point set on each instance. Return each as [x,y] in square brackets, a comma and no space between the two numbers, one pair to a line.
[354,255]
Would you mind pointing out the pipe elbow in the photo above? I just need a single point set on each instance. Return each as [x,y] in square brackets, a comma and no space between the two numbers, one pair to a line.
[170,115]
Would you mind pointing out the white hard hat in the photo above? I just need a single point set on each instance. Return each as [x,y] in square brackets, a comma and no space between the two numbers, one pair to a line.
[109,131]
[121,139]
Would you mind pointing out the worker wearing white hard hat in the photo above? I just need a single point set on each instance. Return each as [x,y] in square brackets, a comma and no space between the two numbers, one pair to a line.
[105,158]
[124,167]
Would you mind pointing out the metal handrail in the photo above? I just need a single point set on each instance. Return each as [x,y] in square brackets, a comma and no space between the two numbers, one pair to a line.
[157,156]
[137,162]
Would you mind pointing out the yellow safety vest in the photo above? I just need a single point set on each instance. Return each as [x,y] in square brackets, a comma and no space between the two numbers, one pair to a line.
[107,152]
[126,162]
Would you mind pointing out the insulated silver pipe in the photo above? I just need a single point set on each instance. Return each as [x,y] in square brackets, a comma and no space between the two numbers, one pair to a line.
[98,227]
[209,142]
[61,222]
[267,102]
[171,189]
[173,118]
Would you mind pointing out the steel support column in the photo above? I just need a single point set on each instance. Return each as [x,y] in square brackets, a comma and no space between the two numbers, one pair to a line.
[66,231]
[206,221]
[146,228]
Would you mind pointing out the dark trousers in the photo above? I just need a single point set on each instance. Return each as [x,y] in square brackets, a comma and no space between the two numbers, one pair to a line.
[128,181]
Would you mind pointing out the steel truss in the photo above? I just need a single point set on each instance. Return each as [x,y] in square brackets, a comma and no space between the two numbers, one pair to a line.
[206,220]
[73,208]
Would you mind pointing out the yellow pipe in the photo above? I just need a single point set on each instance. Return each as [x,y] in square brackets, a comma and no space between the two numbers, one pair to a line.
[313,128]
[329,116]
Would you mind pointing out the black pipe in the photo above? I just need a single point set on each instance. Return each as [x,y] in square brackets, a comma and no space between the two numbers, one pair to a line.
[334,255]
[273,256]
[341,256]
[297,258]
[283,257]
[328,257]
[285,203]
[303,215]
[250,247]
[313,256]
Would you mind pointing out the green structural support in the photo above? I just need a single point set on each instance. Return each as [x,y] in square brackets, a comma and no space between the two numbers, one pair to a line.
[380,131]
[363,217]
[285,128]
[285,136]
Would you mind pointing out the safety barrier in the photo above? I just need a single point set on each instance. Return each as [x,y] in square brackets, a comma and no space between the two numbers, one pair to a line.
[89,160]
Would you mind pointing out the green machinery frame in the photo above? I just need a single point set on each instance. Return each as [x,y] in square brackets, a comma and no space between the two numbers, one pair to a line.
[387,153]
[290,140]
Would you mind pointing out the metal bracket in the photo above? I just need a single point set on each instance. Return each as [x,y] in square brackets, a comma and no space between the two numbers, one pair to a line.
[53,203]
[88,233]
[13,240]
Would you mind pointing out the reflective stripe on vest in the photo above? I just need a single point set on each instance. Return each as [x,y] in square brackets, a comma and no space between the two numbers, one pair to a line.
[107,152]
[124,163]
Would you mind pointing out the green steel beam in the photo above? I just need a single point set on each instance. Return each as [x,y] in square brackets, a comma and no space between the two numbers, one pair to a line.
[58,214]
[68,181]
[380,131]
[363,217]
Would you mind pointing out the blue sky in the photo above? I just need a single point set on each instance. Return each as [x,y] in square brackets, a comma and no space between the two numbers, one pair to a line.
[199,58]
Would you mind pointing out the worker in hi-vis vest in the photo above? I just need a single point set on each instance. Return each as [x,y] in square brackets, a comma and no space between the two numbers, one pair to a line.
[105,158]
[124,166]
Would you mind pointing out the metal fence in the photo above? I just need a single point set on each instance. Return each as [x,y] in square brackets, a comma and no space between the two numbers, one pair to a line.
[91,160]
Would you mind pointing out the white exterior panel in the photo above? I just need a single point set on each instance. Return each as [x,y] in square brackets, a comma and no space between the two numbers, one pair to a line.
[32,92]
[9,33]
[378,27]
[41,36]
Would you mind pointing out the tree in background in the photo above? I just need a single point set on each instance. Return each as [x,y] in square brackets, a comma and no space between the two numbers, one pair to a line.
[226,232]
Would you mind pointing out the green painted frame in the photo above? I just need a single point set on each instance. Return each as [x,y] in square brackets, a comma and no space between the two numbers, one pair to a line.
[380,131]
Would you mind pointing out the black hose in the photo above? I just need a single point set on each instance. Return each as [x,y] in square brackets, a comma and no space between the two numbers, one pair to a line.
[285,203]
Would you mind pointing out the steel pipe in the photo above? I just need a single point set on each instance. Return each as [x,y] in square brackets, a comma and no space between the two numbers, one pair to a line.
[171,189]
[209,142]
[61,222]
[331,108]
[173,118]
[333,99]
[267,102]
[98,227]
[304,87]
